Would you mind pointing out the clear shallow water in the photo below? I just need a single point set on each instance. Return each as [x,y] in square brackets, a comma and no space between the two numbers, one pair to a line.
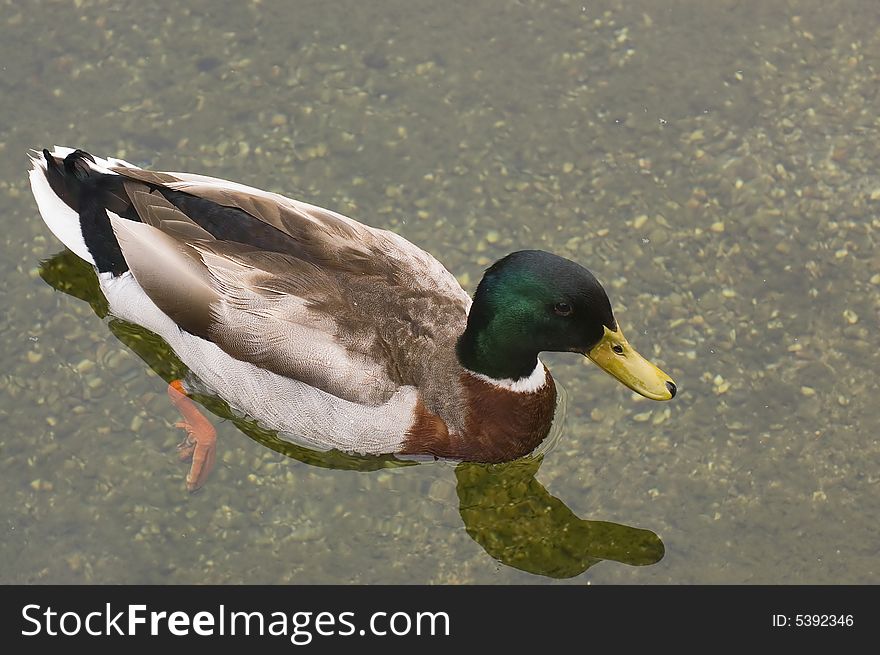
[713,163]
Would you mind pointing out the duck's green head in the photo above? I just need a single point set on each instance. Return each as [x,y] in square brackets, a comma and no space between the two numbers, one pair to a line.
[533,301]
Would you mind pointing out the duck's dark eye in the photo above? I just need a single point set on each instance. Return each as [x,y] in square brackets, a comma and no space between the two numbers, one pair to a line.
[563,309]
[617,348]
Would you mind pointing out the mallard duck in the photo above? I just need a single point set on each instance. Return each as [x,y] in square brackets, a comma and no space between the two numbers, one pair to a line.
[335,334]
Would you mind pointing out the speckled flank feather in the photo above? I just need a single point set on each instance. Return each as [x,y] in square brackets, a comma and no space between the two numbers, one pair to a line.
[297,410]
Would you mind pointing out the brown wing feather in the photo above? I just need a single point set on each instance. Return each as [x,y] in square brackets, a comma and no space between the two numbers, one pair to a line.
[270,313]
[153,209]
[359,314]
[171,273]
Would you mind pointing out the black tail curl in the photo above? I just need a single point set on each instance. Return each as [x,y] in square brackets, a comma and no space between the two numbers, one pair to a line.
[89,193]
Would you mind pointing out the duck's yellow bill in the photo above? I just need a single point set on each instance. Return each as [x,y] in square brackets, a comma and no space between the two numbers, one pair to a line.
[615,356]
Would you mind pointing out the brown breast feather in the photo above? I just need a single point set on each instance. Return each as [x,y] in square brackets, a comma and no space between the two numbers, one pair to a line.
[501,425]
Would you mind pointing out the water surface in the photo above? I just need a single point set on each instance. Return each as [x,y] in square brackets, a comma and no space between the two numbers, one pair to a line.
[714,164]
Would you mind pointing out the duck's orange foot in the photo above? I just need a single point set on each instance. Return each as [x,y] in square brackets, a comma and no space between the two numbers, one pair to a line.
[200,443]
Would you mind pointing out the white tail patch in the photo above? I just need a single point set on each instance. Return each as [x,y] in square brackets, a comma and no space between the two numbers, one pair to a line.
[530,384]
[59,218]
